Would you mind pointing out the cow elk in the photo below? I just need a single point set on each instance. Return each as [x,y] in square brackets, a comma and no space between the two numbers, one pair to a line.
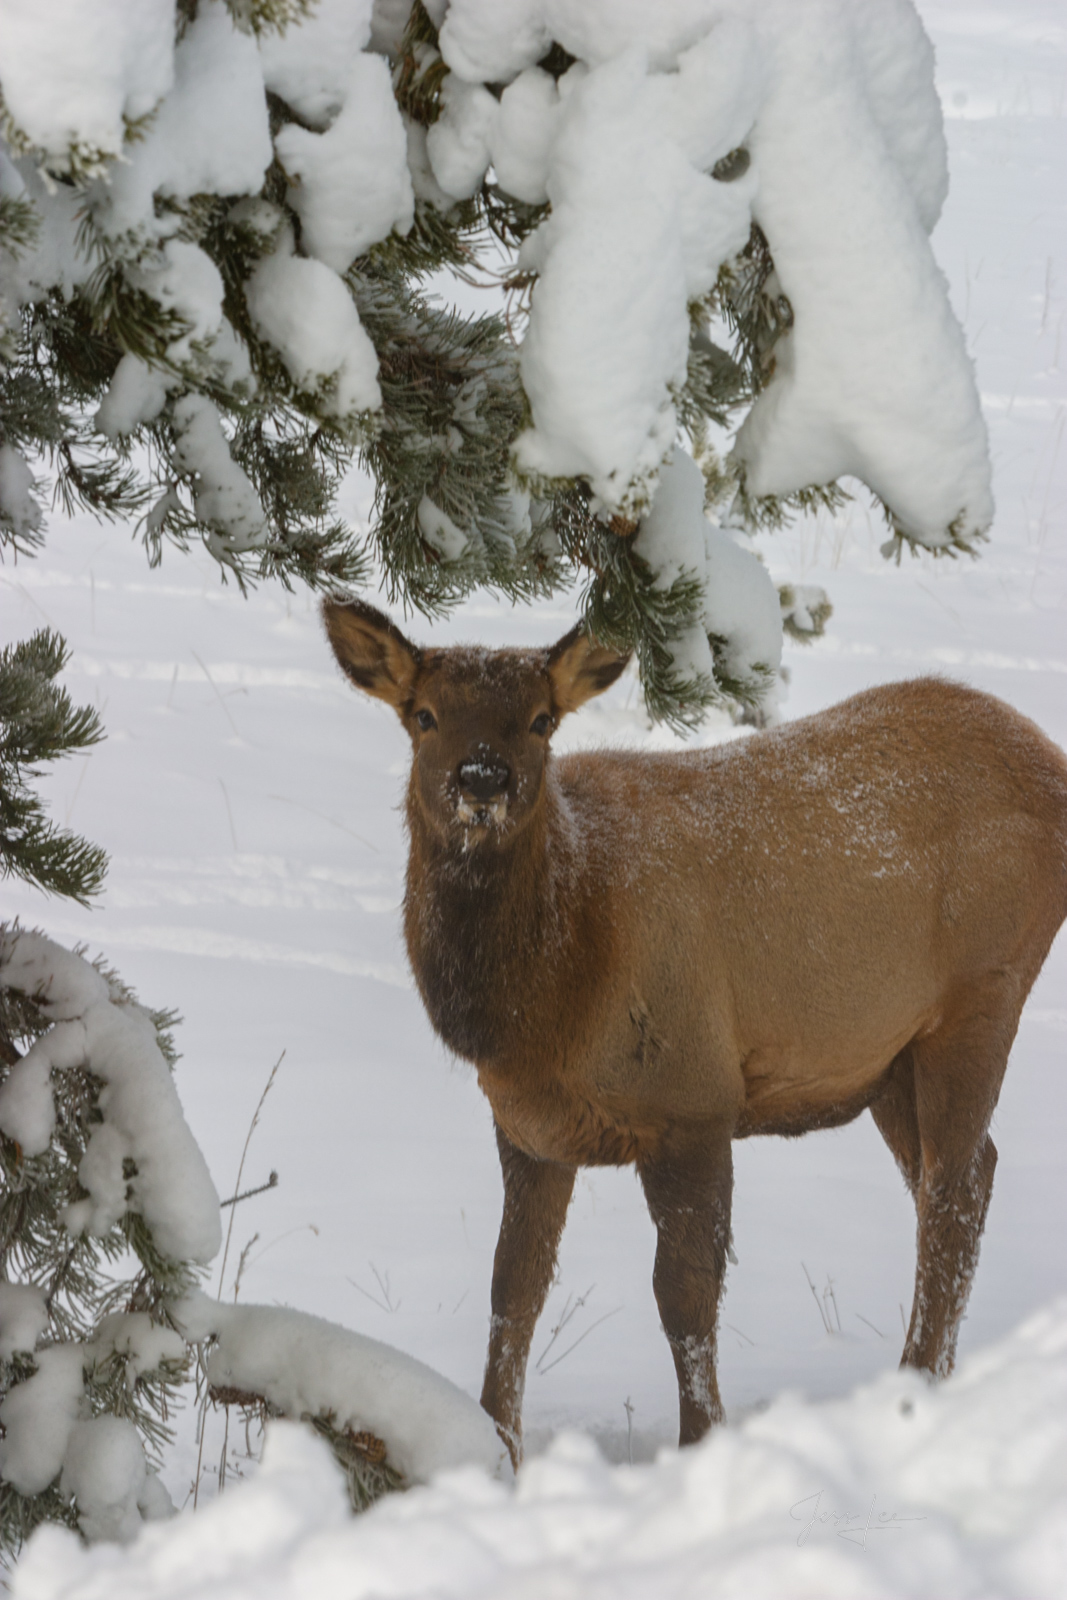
[647,955]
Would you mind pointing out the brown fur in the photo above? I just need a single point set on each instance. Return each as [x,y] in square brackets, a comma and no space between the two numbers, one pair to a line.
[647,956]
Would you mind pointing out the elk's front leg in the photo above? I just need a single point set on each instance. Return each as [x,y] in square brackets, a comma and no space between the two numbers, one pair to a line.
[688,1187]
[536,1197]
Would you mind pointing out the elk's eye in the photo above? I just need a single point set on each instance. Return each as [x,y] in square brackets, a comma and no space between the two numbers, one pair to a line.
[540,725]
[426,720]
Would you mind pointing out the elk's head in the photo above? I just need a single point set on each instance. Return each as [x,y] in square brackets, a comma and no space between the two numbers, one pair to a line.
[479,720]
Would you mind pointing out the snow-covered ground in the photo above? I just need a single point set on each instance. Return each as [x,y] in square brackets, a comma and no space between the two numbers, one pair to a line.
[249,802]
[899,1490]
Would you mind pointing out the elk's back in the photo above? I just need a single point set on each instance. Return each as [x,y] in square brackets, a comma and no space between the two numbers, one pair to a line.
[790,910]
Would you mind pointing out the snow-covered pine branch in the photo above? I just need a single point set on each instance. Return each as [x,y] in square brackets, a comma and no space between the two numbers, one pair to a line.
[97,1160]
[221,220]
[299,1366]
[38,724]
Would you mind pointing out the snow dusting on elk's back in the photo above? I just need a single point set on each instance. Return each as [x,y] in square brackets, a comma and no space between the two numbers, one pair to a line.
[647,956]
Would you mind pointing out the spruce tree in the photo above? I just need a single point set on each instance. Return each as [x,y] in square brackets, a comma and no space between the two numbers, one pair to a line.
[65,1291]
[204,339]
[59,1285]
[38,723]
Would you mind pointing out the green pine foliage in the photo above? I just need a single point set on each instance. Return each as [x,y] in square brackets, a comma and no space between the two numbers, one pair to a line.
[452,405]
[82,1278]
[38,723]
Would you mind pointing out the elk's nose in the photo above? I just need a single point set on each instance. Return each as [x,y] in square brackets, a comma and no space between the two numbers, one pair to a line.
[483,779]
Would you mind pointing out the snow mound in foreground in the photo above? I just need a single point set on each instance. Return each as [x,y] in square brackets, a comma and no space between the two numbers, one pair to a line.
[900,1489]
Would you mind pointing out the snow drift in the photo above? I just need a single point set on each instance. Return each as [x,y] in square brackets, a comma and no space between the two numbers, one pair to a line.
[901,1489]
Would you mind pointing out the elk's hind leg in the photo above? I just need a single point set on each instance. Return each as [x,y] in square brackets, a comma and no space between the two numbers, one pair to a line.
[897,1120]
[688,1186]
[536,1197]
[956,1075]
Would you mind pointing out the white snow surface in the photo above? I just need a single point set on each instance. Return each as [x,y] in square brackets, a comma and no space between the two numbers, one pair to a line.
[440,531]
[38,1417]
[184,280]
[850,394]
[833,100]
[222,491]
[458,143]
[62,983]
[805,599]
[143,1119]
[303,1364]
[99,1461]
[27,1111]
[523,134]
[55,259]
[493,40]
[137,393]
[309,65]
[636,231]
[144,1343]
[899,1489]
[209,136]
[104,1471]
[142,1116]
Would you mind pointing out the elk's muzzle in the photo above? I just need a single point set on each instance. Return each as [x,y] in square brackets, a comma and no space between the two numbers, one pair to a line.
[483,790]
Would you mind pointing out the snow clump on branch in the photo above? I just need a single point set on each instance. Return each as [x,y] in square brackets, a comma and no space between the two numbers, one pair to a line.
[834,101]
[735,635]
[207,134]
[304,1366]
[138,1160]
[142,1121]
[74,1382]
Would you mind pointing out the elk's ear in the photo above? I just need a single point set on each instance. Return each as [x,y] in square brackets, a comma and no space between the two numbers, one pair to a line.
[579,668]
[372,652]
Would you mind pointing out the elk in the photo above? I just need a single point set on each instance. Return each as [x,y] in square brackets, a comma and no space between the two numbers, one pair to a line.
[648,955]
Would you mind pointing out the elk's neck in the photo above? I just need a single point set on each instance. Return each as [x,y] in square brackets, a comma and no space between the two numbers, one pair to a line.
[494,934]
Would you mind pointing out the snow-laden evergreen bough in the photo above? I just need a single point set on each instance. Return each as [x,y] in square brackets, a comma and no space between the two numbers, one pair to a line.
[221,219]
[98,1160]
